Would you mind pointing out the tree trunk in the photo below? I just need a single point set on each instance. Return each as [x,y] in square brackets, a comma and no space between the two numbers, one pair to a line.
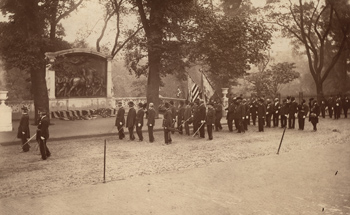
[39,89]
[319,90]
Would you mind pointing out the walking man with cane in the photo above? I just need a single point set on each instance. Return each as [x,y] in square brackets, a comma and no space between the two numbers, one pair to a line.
[43,134]
[23,129]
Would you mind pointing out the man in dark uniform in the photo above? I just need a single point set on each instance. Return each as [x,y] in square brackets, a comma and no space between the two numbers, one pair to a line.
[261,114]
[230,114]
[269,112]
[284,113]
[42,134]
[292,111]
[346,105]
[195,113]
[337,107]
[180,116]
[201,115]
[151,120]
[210,120]
[302,113]
[323,106]
[173,114]
[276,112]
[188,117]
[254,109]
[167,122]
[23,129]
[218,115]
[139,121]
[120,120]
[239,115]
[330,106]
[131,120]
[314,113]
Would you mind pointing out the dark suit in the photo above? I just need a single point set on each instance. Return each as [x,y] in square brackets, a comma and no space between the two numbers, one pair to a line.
[120,122]
[42,136]
[261,110]
[130,122]
[180,118]
[139,123]
[276,113]
[314,113]
[210,120]
[346,105]
[151,120]
[167,123]
[292,110]
[201,117]
[187,118]
[218,116]
[23,131]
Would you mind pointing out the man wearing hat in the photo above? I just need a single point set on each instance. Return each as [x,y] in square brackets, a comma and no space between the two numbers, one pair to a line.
[261,110]
[23,129]
[276,112]
[239,115]
[151,116]
[139,121]
[167,123]
[292,111]
[201,115]
[120,120]
[42,134]
[131,120]
[210,120]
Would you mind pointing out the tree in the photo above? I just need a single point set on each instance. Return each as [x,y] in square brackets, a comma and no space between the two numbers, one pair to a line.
[25,38]
[310,25]
[269,82]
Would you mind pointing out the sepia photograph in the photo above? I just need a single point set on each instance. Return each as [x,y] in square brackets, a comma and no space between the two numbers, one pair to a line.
[174,107]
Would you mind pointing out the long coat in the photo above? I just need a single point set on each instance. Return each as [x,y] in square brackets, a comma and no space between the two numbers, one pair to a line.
[210,118]
[120,117]
[131,118]
[168,119]
[43,128]
[151,117]
[139,117]
[314,113]
[24,127]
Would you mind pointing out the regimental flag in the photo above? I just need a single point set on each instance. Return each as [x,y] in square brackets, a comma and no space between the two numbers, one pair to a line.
[193,89]
[207,88]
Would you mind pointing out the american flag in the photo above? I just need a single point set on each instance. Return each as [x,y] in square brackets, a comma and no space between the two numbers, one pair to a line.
[194,92]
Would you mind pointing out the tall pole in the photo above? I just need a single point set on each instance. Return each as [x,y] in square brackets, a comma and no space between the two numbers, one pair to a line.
[104,163]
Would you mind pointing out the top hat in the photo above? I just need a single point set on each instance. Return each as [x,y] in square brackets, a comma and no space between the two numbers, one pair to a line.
[131,103]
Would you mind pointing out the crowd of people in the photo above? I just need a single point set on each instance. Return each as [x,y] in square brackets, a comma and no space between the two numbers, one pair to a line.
[239,114]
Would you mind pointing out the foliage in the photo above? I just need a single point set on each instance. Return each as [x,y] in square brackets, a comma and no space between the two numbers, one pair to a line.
[311,25]
[268,82]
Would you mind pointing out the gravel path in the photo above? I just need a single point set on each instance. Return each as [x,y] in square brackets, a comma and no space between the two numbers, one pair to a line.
[75,163]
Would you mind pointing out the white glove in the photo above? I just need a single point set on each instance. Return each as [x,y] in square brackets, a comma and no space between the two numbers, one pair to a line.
[303,117]
[139,124]
[42,138]
[203,121]
[242,117]
[246,117]
[120,123]
[22,132]
[267,113]
[295,115]
[276,111]
[150,124]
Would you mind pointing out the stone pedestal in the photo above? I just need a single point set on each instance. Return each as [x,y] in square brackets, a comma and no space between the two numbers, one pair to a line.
[50,83]
[5,113]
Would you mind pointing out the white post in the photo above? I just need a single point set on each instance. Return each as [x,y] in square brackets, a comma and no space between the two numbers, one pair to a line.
[50,79]
[5,113]
[109,78]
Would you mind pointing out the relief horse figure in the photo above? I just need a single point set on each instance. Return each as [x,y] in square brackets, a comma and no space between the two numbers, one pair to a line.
[80,85]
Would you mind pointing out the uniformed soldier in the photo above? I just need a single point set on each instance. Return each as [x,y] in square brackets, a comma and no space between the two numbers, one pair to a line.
[139,121]
[173,110]
[314,113]
[218,115]
[23,129]
[151,120]
[120,120]
[210,120]
[42,134]
[131,120]
[195,116]
[276,112]
[330,106]
[230,114]
[167,123]
[302,113]
[201,115]
[180,116]
[239,115]
[292,111]
[261,114]
[188,117]
[254,109]
[245,121]
[323,106]
[284,113]
[269,112]
[337,107]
